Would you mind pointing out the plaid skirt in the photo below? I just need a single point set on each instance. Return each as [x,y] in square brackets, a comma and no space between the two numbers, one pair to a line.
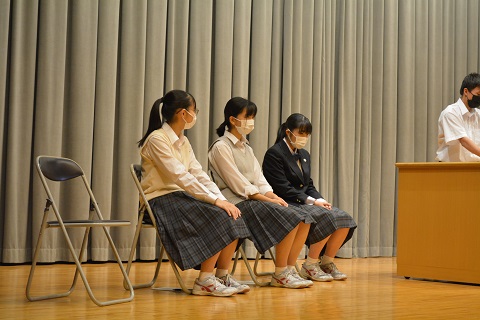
[269,223]
[326,222]
[193,231]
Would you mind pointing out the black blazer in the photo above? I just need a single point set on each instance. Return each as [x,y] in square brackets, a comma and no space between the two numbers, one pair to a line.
[283,174]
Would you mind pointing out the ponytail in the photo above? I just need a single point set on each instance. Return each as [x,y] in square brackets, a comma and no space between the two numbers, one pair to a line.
[233,108]
[221,128]
[170,103]
[155,121]
[282,132]
[294,121]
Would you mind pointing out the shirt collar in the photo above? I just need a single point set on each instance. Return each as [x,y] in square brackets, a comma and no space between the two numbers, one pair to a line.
[176,140]
[292,151]
[234,139]
[463,108]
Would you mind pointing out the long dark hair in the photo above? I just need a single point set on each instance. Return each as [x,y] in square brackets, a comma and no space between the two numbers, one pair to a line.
[294,121]
[234,107]
[172,101]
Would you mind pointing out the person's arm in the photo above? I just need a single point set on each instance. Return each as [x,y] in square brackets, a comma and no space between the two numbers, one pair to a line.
[222,162]
[195,168]
[162,155]
[454,129]
[274,172]
[468,144]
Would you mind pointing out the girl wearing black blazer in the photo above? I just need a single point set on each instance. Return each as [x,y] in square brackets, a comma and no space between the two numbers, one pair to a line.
[286,166]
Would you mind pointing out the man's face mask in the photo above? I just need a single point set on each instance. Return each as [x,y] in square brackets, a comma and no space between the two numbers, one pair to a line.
[475,102]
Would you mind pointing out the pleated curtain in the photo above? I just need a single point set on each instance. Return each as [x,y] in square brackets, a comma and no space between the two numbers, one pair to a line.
[78,79]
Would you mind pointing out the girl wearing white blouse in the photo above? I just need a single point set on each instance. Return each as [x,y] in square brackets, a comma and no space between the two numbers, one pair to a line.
[196,223]
[239,176]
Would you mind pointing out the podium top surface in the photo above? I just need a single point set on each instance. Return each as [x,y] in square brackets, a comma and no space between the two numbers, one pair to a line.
[433,165]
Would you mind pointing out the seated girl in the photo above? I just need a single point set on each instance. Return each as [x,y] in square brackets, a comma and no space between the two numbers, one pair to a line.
[286,167]
[197,225]
[239,176]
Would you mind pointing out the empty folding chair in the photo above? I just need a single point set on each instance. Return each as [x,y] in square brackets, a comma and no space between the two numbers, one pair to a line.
[63,169]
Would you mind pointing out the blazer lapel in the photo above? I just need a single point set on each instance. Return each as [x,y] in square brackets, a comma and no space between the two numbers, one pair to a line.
[305,166]
[291,160]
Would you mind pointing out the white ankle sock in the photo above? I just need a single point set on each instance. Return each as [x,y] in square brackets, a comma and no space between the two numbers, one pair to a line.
[204,275]
[326,259]
[279,270]
[221,272]
[311,261]
[291,267]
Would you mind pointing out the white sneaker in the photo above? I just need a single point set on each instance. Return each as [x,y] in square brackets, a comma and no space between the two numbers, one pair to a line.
[314,272]
[287,279]
[331,269]
[306,282]
[212,286]
[231,282]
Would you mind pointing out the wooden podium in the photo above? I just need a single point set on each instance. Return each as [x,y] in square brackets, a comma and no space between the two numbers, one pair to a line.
[438,230]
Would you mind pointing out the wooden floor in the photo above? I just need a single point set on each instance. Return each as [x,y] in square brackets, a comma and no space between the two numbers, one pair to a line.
[373,291]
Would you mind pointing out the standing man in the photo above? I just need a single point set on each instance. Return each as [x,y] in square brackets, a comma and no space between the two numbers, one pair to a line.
[459,125]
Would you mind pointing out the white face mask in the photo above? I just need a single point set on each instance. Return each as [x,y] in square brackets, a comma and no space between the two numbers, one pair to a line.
[246,126]
[300,142]
[189,125]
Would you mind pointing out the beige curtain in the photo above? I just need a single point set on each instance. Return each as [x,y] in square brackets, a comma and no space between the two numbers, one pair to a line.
[78,78]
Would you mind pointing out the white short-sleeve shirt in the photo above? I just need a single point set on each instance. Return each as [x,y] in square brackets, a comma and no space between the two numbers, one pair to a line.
[456,122]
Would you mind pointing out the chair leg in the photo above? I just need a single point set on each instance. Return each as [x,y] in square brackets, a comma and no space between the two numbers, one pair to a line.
[241,252]
[257,259]
[30,297]
[78,270]
[175,270]
[235,261]
[132,254]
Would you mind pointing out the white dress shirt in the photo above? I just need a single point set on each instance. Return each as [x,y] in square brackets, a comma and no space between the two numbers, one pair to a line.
[170,165]
[221,160]
[456,122]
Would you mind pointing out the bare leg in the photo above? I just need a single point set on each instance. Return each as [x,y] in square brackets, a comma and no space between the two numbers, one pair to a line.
[336,241]
[225,258]
[298,243]
[283,248]
[316,248]
[209,264]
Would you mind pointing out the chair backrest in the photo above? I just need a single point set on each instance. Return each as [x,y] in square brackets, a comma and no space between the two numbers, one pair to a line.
[136,171]
[58,169]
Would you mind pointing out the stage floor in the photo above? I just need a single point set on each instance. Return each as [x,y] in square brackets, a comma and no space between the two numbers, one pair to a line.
[372,291]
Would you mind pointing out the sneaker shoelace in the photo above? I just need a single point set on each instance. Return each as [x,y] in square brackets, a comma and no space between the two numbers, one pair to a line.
[218,283]
[230,281]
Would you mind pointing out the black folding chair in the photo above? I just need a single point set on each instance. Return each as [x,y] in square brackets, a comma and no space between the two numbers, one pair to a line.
[63,169]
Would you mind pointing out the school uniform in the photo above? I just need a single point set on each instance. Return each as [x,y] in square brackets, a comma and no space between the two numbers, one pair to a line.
[238,174]
[288,173]
[182,198]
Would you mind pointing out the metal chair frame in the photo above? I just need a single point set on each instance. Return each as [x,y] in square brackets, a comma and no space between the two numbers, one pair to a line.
[144,207]
[62,169]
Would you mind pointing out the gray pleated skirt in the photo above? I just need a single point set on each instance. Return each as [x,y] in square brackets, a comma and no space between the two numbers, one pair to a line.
[326,222]
[193,231]
[269,223]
